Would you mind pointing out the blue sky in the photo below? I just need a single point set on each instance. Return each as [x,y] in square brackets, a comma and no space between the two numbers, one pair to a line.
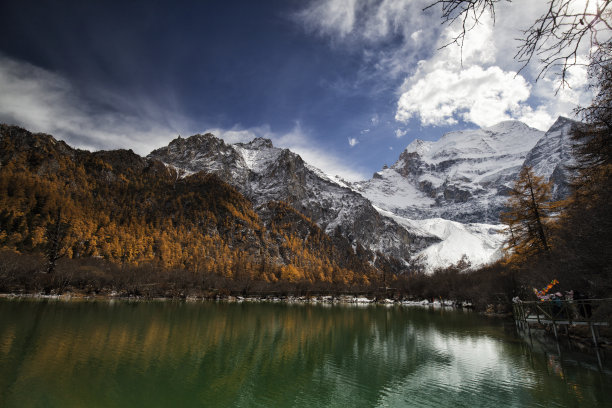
[348,84]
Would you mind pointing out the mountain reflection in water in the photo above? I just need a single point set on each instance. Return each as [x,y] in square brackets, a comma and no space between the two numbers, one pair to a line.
[76,354]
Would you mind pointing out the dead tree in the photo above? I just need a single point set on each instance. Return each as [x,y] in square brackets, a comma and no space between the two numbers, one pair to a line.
[56,232]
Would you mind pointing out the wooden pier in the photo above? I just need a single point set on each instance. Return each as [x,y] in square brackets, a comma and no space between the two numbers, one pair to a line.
[594,313]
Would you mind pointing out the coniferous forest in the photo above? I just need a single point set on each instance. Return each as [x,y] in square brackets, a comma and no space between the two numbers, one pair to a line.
[115,221]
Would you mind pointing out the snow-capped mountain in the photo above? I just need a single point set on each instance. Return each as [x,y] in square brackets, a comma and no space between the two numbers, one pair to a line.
[264,173]
[440,201]
[464,176]
[455,188]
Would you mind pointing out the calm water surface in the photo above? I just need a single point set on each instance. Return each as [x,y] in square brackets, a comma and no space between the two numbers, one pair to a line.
[166,354]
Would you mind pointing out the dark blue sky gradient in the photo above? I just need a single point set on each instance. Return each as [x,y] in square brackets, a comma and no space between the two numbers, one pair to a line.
[218,63]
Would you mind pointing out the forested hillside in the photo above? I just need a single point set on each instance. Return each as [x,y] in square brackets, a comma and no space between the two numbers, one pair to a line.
[63,203]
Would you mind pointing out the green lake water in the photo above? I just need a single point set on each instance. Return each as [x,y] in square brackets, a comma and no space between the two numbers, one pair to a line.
[173,354]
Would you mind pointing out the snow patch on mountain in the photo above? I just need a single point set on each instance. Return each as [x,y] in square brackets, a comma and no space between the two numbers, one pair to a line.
[480,244]
[390,190]
[258,155]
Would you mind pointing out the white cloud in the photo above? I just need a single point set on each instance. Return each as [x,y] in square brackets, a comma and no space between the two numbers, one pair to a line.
[400,132]
[476,83]
[471,84]
[330,17]
[352,141]
[375,120]
[482,96]
[479,46]
[42,101]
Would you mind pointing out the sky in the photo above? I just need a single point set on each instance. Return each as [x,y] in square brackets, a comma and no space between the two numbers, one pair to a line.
[347,84]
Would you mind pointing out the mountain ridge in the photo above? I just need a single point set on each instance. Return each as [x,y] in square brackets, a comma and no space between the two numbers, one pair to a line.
[438,201]
[131,210]
[463,178]
[265,173]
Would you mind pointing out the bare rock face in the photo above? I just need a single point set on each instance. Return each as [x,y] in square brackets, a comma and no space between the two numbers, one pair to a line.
[552,158]
[204,153]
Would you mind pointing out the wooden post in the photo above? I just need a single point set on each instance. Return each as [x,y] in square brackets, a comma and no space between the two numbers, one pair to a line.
[593,333]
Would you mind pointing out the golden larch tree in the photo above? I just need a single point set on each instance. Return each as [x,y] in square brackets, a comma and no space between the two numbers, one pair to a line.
[529,215]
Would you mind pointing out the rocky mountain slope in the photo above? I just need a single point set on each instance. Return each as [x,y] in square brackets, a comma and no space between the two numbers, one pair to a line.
[552,158]
[132,210]
[441,200]
[264,173]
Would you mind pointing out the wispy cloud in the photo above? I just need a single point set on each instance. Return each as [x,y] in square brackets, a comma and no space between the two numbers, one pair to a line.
[331,17]
[400,132]
[42,101]
[477,83]
[352,141]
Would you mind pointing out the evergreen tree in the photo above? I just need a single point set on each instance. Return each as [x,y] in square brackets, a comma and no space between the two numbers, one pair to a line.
[529,215]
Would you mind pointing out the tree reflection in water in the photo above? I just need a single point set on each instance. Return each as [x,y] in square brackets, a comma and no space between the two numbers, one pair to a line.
[220,354]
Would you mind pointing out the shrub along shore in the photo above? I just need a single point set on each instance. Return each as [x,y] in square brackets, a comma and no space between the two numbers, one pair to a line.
[24,275]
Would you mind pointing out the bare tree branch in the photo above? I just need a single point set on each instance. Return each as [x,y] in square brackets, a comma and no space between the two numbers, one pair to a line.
[469,12]
[554,40]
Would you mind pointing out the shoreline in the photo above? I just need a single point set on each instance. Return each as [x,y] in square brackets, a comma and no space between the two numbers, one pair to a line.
[289,299]
[323,300]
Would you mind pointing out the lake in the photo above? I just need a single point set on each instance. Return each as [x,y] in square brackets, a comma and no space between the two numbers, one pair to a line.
[176,354]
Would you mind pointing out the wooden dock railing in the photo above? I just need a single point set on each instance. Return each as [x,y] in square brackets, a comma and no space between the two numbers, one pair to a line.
[591,312]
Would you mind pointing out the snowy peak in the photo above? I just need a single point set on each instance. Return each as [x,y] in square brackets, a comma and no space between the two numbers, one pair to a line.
[257,143]
[508,126]
[509,137]
[463,176]
[563,123]
[418,146]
